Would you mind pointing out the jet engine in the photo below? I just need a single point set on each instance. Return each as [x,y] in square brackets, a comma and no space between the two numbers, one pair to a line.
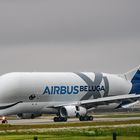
[72,111]
[28,115]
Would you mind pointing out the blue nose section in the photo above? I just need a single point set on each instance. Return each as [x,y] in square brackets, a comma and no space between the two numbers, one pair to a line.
[136,83]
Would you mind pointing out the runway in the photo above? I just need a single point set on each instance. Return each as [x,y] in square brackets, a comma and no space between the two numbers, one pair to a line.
[50,120]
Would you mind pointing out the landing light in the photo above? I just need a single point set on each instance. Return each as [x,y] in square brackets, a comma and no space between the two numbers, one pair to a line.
[3,118]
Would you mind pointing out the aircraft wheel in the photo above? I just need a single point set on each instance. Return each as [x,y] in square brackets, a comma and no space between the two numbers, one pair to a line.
[90,118]
[60,119]
[86,118]
[4,121]
[55,119]
[81,118]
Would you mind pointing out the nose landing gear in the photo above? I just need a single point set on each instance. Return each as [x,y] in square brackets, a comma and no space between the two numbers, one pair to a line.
[4,120]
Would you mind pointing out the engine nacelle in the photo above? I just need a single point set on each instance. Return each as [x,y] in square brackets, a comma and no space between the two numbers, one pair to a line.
[28,115]
[72,111]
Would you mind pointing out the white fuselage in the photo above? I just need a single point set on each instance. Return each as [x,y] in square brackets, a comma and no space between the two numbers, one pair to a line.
[37,92]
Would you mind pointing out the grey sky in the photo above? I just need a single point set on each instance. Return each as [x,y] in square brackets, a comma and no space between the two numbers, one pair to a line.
[69,35]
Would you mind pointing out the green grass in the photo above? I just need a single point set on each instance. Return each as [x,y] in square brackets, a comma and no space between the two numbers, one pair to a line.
[5,127]
[43,137]
[91,133]
[74,130]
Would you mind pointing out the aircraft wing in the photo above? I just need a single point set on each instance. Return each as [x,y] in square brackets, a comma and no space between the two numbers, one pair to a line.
[104,101]
[107,100]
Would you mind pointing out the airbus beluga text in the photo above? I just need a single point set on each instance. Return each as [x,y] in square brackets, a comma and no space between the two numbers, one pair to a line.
[29,95]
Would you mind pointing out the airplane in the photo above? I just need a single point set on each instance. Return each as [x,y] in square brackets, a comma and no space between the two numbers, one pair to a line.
[66,94]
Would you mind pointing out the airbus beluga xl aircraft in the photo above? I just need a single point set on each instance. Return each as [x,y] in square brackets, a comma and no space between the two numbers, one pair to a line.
[66,94]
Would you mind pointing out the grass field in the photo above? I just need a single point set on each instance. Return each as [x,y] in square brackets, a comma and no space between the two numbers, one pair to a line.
[43,137]
[100,130]
[90,133]
[8,127]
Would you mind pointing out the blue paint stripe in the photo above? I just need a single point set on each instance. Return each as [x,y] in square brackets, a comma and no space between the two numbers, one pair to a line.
[136,88]
[136,83]
[136,77]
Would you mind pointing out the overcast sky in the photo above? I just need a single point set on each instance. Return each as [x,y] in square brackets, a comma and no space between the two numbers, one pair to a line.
[69,35]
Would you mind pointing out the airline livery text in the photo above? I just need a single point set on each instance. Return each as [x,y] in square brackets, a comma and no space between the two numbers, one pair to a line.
[72,89]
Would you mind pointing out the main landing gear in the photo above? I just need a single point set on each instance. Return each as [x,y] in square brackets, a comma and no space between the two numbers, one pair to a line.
[81,118]
[86,118]
[60,119]
[4,120]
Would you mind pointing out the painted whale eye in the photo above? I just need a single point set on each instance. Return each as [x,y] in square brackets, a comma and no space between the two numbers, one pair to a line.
[31,97]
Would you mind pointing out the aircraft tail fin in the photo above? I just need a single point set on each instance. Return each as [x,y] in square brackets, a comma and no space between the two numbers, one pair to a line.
[134,77]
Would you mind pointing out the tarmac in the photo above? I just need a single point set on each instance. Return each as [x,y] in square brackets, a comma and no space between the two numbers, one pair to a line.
[49,120]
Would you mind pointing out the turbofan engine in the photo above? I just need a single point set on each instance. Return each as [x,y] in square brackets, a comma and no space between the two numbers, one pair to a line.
[72,111]
[28,115]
